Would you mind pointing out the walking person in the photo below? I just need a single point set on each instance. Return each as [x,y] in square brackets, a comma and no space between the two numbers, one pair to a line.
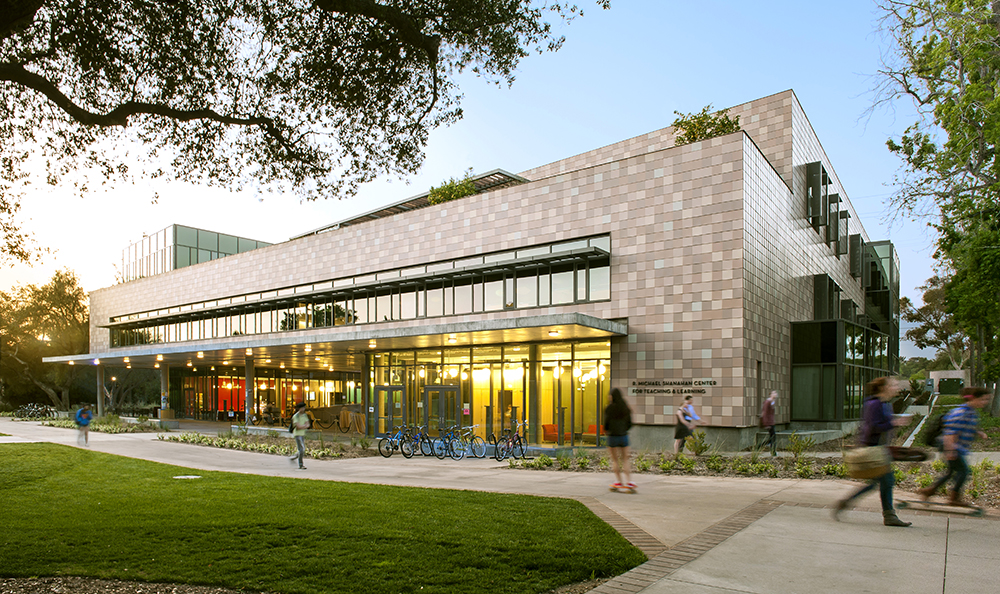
[687,420]
[767,421]
[877,423]
[83,419]
[300,424]
[960,427]
[617,422]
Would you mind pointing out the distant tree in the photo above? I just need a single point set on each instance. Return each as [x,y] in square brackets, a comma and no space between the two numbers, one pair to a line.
[935,326]
[37,322]
[129,390]
[693,127]
[910,367]
[311,97]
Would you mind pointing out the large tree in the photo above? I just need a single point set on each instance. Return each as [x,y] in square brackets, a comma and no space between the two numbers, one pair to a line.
[44,321]
[312,97]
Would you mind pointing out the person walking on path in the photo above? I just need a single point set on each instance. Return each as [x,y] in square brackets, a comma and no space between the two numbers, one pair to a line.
[767,421]
[877,423]
[617,422]
[83,419]
[960,427]
[687,420]
[300,424]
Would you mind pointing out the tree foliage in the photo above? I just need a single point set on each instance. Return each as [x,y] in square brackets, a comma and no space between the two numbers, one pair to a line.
[453,189]
[693,127]
[935,326]
[946,59]
[312,97]
[45,321]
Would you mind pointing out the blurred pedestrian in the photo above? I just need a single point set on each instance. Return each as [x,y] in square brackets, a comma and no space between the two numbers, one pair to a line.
[300,425]
[961,426]
[617,422]
[767,421]
[687,420]
[83,419]
[877,423]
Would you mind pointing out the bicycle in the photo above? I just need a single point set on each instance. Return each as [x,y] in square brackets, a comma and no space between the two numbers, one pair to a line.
[417,441]
[510,443]
[475,445]
[448,444]
[390,443]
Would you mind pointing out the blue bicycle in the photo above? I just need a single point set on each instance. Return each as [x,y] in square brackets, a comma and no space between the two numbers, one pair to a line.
[390,443]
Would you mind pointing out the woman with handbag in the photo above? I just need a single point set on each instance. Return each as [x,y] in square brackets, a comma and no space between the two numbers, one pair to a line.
[877,423]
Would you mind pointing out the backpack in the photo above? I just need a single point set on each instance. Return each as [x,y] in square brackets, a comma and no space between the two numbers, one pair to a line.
[933,431]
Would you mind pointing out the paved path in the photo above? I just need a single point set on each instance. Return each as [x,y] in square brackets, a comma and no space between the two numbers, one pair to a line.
[704,535]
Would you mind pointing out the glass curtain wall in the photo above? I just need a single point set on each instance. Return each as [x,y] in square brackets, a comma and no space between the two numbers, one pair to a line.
[545,389]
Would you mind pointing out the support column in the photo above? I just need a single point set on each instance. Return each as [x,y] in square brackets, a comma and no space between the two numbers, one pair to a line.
[100,390]
[165,412]
[250,383]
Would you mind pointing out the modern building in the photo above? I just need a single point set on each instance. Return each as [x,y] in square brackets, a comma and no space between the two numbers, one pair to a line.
[723,268]
[178,246]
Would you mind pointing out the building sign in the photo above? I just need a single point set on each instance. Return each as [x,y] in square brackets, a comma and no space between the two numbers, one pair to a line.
[670,387]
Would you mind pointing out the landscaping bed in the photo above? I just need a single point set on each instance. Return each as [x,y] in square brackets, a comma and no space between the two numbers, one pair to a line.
[273,443]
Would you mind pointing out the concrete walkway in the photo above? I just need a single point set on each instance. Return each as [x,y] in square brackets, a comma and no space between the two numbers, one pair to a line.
[703,535]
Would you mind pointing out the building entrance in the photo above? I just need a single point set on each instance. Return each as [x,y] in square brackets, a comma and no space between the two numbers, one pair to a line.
[441,408]
[390,408]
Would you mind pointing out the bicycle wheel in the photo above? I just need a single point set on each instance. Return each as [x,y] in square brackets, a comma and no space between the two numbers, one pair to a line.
[426,446]
[406,448]
[477,447]
[502,449]
[385,446]
[440,448]
[458,449]
[255,419]
[517,447]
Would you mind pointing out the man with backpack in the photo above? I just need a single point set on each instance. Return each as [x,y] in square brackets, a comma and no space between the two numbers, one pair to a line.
[958,428]
[83,418]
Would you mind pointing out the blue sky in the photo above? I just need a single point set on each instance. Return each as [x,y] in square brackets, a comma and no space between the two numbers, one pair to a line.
[622,72]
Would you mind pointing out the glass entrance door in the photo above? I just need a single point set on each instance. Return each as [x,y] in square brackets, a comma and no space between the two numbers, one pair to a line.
[442,407]
[390,402]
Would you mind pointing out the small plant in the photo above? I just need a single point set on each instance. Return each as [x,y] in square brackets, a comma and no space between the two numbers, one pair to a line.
[764,468]
[798,444]
[274,434]
[939,465]
[603,463]
[898,475]
[834,469]
[452,189]
[142,419]
[716,463]
[513,463]
[642,463]
[668,465]
[755,454]
[924,480]
[803,469]
[565,462]
[740,465]
[543,461]
[686,463]
[364,443]
[582,461]
[696,443]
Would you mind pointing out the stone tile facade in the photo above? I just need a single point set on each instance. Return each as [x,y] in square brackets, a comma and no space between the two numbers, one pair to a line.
[712,258]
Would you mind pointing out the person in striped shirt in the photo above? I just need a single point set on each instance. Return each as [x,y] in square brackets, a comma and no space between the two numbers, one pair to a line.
[961,426]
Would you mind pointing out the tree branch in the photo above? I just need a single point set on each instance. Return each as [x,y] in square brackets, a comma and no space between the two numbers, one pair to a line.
[406,26]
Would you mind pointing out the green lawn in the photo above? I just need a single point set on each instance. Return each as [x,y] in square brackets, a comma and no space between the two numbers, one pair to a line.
[68,511]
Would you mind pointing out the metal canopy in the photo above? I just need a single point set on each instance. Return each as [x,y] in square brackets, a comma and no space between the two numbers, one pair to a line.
[343,347]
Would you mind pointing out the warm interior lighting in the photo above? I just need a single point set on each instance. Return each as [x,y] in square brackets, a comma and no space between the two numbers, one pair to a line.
[282,366]
[553,333]
[229,386]
[263,386]
[576,372]
[249,352]
[465,375]
[452,372]
[156,365]
[201,355]
[159,357]
[97,361]
[225,362]
[452,341]
[267,360]
[72,363]
[126,360]
[189,364]
[421,373]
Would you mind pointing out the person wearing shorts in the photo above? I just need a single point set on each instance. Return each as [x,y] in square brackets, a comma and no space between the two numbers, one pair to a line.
[617,422]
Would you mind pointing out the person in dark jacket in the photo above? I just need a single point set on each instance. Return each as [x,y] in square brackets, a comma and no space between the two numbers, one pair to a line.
[877,423]
[617,422]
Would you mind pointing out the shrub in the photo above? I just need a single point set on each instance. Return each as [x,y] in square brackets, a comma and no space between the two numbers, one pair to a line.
[696,443]
[582,461]
[939,465]
[452,189]
[686,464]
[740,465]
[716,463]
[668,465]
[898,475]
[565,462]
[834,469]
[642,463]
[543,461]
[798,444]
[765,468]
[803,469]
[924,480]
[603,463]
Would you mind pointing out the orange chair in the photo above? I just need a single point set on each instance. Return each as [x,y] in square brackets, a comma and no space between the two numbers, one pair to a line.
[551,433]
[591,434]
